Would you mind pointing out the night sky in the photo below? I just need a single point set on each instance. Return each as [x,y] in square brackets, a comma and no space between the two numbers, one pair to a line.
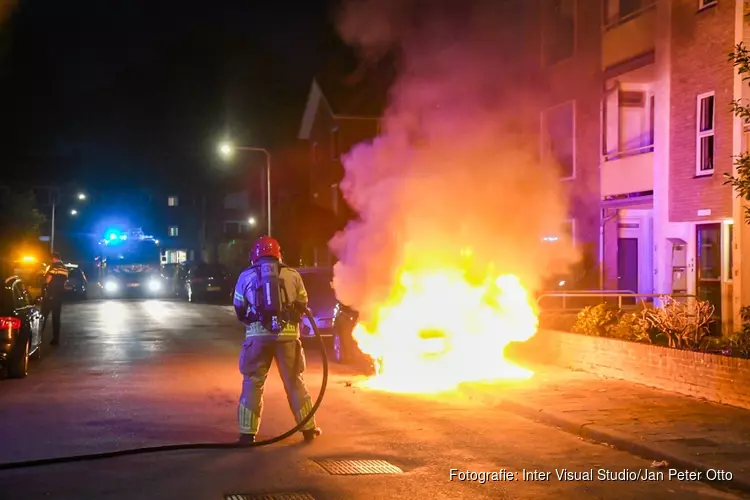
[137,90]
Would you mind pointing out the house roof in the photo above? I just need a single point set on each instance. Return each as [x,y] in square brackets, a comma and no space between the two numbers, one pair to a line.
[349,89]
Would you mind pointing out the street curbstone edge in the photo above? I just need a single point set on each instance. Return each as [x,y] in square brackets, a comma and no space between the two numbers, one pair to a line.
[588,430]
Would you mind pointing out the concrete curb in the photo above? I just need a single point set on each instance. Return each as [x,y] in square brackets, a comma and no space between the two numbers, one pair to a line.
[624,442]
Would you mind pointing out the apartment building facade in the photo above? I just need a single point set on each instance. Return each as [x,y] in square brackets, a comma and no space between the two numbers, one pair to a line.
[668,139]
[633,99]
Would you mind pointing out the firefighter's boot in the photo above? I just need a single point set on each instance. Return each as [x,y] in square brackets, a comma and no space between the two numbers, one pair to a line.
[311,434]
[246,439]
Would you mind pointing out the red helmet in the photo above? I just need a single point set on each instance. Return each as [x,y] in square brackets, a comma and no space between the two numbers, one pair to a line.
[265,247]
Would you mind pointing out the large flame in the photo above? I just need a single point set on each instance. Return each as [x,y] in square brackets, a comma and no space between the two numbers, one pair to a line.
[439,330]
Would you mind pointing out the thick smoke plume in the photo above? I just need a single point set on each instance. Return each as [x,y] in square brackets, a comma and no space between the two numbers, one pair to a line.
[456,166]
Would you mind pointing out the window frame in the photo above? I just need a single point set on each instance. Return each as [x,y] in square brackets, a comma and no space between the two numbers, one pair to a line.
[176,231]
[544,150]
[706,4]
[173,198]
[700,135]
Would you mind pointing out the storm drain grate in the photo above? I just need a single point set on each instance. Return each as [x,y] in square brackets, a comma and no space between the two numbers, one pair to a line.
[270,496]
[358,467]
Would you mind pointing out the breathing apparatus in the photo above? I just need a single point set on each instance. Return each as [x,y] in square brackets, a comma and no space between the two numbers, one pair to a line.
[273,307]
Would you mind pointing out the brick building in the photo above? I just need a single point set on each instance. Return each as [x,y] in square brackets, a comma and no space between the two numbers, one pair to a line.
[668,139]
[344,108]
[633,101]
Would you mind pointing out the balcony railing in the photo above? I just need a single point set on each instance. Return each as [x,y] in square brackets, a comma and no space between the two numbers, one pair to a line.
[618,155]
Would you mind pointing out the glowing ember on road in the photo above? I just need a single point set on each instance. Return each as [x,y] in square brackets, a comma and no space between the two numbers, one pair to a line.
[439,330]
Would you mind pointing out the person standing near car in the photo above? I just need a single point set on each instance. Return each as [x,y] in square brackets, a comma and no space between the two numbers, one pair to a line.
[55,277]
[267,339]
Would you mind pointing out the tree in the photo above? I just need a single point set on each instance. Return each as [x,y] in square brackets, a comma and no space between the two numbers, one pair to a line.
[740,181]
[20,221]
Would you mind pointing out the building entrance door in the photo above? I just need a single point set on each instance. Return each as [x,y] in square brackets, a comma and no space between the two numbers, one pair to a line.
[708,268]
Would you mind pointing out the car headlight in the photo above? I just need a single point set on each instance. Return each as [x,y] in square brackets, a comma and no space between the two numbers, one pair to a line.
[111,286]
[154,285]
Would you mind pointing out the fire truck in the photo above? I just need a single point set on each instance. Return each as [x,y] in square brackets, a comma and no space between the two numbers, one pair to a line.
[129,264]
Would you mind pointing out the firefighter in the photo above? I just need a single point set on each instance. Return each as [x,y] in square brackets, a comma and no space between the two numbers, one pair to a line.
[55,277]
[269,299]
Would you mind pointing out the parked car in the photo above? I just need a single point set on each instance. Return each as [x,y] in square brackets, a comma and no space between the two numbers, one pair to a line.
[169,275]
[344,348]
[20,327]
[321,299]
[179,279]
[77,284]
[208,282]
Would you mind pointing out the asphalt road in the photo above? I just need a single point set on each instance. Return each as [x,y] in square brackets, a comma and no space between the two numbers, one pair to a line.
[140,373]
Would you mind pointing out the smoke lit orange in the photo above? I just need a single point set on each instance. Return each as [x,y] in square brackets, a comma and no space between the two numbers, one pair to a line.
[438,330]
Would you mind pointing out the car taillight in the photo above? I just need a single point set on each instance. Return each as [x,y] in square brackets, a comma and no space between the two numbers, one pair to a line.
[10,322]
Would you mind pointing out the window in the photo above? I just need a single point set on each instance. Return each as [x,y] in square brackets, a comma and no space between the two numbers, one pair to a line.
[335,144]
[702,4]
[705,134]
[558,138]
[175,256]
[619,11]
[173,201]
[558,31]
[173,231]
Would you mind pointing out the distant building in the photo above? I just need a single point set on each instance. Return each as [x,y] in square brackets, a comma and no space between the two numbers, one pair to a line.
[189,224]
[344,107]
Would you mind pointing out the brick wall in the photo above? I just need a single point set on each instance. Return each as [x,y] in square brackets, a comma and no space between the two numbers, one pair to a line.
[716,378]
[580,79]
[700,44]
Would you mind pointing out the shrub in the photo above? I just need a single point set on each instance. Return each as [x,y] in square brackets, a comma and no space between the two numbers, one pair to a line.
[739,343]
[685,324]
[597,321]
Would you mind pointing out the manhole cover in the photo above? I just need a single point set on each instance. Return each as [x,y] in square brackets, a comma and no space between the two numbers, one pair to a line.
[358,467]
[270,496]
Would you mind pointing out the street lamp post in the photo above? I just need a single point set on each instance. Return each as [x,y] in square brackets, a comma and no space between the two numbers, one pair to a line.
[81,197]
[226,149]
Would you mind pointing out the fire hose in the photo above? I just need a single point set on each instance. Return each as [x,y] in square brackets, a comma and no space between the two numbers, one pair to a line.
[191,446]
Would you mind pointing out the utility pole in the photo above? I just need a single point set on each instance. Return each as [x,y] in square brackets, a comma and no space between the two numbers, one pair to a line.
[52,227]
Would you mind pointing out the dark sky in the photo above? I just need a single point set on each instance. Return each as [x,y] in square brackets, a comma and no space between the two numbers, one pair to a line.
[115,90]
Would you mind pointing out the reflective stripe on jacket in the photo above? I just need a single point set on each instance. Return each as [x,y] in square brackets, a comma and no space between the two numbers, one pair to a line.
[244,299]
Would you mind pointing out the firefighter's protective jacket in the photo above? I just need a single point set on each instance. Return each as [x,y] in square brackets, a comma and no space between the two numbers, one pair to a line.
[245,296]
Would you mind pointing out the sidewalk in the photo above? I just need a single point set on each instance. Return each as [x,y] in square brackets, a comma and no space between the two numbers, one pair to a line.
[686,432]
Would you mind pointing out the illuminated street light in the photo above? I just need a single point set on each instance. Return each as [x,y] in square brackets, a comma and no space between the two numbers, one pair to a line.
[227,149]
[74,212]
[81,196]
[251,221]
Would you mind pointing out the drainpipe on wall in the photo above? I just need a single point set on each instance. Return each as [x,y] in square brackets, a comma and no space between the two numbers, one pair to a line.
[604,220]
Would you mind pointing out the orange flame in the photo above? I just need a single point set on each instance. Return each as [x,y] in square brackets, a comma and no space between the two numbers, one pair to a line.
[439,330]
